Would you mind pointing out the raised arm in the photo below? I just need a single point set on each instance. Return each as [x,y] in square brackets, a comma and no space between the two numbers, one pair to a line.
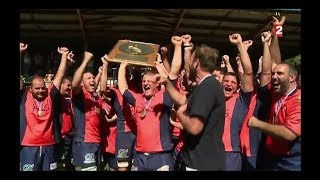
[65,55]
[226,60]
[122,82]
[259,66]
[239,64]
[177,58]
[104,74]
[265,76]
[23,48]
[160,67]
[246,78]
[178,98]
[98,76]
[188,46]
[77,77]
[164,57]
[274,46]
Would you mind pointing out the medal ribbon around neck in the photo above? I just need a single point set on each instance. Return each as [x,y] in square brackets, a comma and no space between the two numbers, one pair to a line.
[279,105]
[95,101]
[144,112]
[39,108]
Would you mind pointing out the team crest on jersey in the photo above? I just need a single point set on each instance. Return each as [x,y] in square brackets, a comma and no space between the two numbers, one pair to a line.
[27,167]
[123,153]
[89,158]
[53,166]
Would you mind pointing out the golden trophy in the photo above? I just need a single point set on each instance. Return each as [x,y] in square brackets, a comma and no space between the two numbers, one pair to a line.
[136,53]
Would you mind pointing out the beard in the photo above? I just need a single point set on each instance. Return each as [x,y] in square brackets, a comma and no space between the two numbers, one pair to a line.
[284,86]
[192,74]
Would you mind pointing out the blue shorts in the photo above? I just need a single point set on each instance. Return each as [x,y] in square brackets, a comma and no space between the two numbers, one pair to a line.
[111,160]
[233,161]
[125,142]
[38,158]
[64,149]
[249,163]
[282,163]
[161,161]
[86,155]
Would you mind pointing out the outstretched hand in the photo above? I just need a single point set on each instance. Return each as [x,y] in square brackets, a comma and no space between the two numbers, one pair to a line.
[88,56]
[163,50]
[23,47]
[186,38]
[70,57]
[63,50]
[225,59]
[158,60]
[105,59]
[235,38]
[176,40]
[277,22]
[247,44]
[266,36]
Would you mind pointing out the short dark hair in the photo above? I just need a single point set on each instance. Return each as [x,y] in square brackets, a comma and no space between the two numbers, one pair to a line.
[292,69]
[65,78]
[233,74]
[221,69]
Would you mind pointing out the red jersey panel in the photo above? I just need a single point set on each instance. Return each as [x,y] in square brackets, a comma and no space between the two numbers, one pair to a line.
[245,131]
[109,130]
[289,115]
[128,113]
[226,137]
[39,117]
[87,123]
[148,127]
[67,115]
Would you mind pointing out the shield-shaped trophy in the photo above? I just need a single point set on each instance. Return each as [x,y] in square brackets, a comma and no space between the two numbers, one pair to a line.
[136,53]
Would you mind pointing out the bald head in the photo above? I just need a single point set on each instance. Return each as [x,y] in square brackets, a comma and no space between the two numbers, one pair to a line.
[37,81]
[88,82]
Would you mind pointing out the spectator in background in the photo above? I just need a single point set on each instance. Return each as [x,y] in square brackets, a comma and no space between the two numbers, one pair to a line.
[38,66]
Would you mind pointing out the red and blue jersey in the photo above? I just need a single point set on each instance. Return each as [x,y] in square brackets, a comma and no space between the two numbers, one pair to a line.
[289,115]
[236,109]
[87,120]
[109,130]
[250,137]
[66,115]
[153,131]
[125,113]
[35,129]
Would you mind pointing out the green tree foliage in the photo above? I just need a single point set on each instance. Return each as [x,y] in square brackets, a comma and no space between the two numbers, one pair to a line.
[296,61]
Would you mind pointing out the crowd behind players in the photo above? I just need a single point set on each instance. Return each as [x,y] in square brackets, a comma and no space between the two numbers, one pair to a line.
[186,114]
